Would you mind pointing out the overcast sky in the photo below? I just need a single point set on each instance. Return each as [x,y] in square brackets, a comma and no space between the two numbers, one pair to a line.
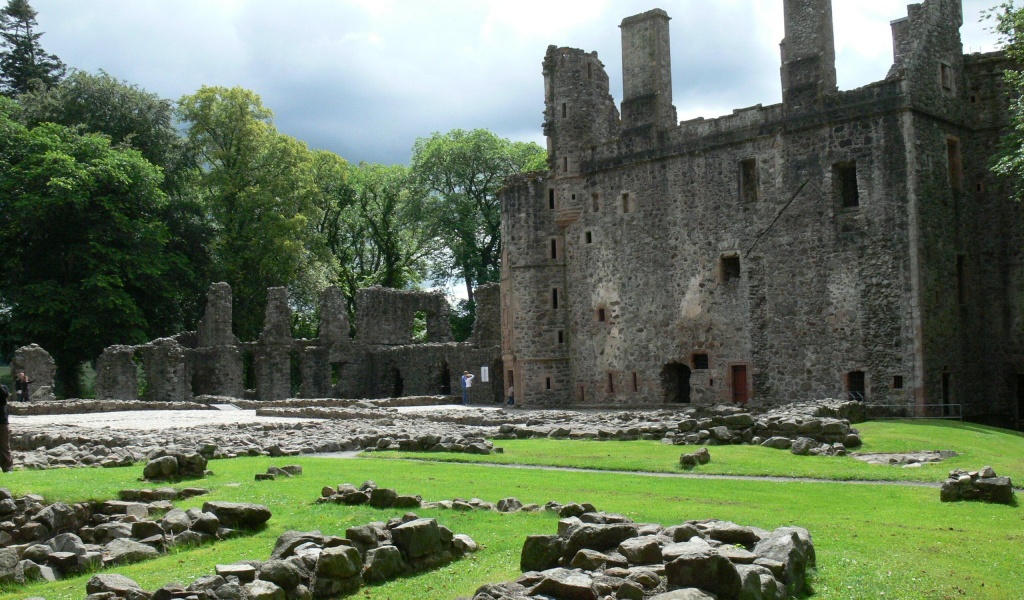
[365,78]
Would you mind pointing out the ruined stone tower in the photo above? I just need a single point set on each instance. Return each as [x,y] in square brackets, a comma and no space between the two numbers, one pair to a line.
[841,243]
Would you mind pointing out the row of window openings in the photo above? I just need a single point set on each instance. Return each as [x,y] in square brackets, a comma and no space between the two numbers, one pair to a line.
[844,180]
[595,201]
[855,382]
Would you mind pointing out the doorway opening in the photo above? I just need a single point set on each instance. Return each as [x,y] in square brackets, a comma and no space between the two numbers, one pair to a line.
[675,381]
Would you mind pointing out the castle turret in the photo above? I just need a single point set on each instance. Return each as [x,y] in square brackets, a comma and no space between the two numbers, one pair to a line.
[808,54]
[647,71]
[579,110]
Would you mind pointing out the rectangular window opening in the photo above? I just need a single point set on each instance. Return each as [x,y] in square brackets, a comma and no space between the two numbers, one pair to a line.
[748,180]
[611,383]
[547,383]
[955,162]
[625,203]
[554,248]
[561,336]
[565,164]
[601,316]
[844,177]
[897,382]
[564,110]
[583,392]
[588,237]
[946,76]
[551,198]
[700,362]
[730,268]
[636,382]
[554,298]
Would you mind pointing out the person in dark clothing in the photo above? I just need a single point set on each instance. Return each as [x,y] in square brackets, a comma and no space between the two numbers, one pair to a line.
[6,460]
[21,386]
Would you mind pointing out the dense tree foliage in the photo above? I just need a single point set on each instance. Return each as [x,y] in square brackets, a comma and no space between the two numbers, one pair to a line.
[464,171]
[23,62]
[257,186]
[135,118]
[1009,25]
[84,260]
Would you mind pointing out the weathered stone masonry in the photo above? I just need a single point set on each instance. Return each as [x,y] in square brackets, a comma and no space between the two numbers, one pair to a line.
[838,242]
[382,360]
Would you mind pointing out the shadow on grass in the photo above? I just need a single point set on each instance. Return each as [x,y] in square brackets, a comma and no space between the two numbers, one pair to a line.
[951,424]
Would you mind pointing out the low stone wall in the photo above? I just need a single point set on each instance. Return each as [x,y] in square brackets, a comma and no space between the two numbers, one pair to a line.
[71,407]
[983,485]
[53,541]
[601,555]
[309,564]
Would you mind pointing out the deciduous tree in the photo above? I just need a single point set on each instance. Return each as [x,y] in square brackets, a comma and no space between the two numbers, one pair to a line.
[464,171]
[84,262]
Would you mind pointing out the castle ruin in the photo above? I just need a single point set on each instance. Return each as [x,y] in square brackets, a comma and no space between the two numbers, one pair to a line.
[847,243]
[383,360]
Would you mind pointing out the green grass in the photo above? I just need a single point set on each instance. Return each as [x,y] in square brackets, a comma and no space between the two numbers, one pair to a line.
[870,539]
[977,445]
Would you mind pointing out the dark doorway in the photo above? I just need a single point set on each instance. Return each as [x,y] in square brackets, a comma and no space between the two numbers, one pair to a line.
[675,381]
[739,384]
[397,385]
[248,371]
[295,373]
[442,379]
[1020,400]
[855,385]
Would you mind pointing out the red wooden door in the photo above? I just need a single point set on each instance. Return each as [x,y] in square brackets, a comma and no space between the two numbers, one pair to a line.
[739,384]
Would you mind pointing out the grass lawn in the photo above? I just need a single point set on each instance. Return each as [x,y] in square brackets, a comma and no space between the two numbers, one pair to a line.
[870,539]
[977,445]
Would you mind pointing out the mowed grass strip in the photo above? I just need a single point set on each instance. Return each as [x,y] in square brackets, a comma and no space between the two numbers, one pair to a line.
[870,539]
[977,446]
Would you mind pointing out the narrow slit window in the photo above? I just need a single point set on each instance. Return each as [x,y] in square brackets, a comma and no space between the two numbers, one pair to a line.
[955,162]
[583,393]
[625,203]
[961,273]
[844,176]
[748,180]
[601,315]
[588,237]
[611,383]
[554,248]
[636,382]
[565,164]
[554,298]
[561,336]
[897,382]
[547,383]
[551,198]
[565,110]
[595,201]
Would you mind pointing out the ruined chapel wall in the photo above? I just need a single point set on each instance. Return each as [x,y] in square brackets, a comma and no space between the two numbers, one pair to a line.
[384,316]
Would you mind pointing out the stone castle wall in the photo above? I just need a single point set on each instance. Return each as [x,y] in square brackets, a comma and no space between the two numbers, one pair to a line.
[839,242]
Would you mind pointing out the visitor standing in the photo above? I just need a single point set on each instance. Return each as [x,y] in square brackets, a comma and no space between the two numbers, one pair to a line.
[511,395]
[21,386]
[467,383]
[6,460]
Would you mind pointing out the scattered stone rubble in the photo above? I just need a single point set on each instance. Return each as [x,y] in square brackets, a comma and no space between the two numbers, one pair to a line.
[907,460]
[692,459]
[313,565]
[983,485]
[598,555]
[48,542]
[178,465]
[378,428]
[287,471]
